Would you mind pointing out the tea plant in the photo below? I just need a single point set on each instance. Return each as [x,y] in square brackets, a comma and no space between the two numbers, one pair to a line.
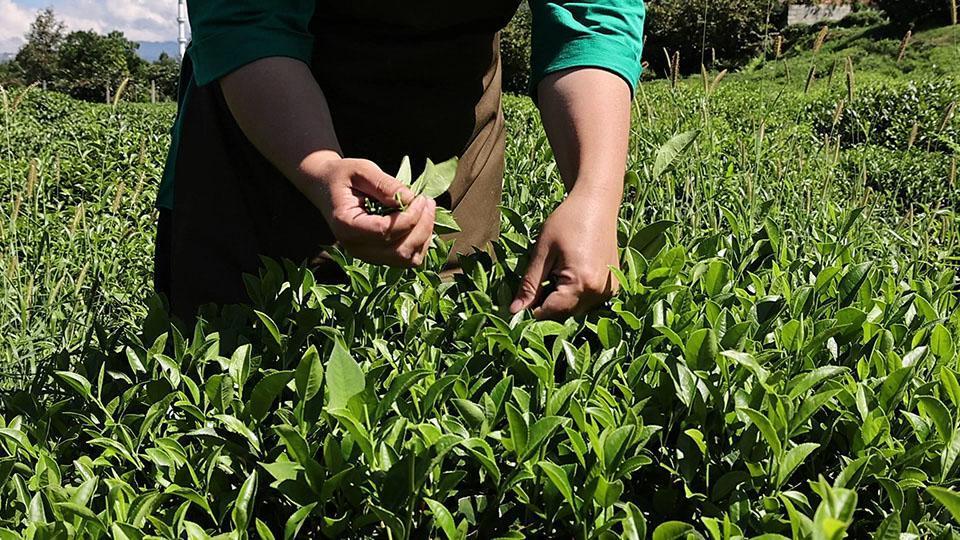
[782,361]
[723,391]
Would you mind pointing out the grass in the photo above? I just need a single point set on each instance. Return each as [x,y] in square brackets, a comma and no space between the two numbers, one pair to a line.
[783,359]
[79,182]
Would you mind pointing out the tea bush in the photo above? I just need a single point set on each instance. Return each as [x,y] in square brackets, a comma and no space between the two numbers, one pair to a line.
[913,178]
[782,359]
[888,116]
[76,207]
[401,403]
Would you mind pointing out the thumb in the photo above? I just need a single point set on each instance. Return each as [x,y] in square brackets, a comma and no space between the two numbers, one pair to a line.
[562,303]
[375,183]
[532,283]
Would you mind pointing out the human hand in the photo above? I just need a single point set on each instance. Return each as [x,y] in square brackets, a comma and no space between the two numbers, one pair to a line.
[576,249]
[340,188]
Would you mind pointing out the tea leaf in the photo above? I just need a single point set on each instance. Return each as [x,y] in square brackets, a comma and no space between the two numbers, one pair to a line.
[518,428]
[894,386]
[405,174]
[890,528]
[941,342]
[792,459]
[436,179]
[296,520]
[614,447]
[701,349]
[800,384]
[344,377]
[443,518]
[558,477]
[938,412]
[675,530]
[634,524]
[309,374]
[266,391]
[851,282]
[539,432]
[766,429]
[263,531]
[444,222]
[948,498]
[243,505]
[77,382]
[651,239]
[271,327]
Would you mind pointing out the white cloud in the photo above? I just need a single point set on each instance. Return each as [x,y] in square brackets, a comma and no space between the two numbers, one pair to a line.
[14,23]
[139,20]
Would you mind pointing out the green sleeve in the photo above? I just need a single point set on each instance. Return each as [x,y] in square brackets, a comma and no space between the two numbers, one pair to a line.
[606,34]
[228,34]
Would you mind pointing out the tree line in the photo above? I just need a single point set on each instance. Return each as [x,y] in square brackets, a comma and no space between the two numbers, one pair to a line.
[88,65]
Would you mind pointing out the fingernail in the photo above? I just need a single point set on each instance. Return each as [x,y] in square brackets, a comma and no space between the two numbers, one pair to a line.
[516,306]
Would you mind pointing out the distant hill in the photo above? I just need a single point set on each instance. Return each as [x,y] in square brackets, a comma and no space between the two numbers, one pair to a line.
[7,57]
[150,50]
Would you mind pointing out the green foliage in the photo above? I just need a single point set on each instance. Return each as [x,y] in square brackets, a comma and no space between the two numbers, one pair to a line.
[889,115]
[38,59]
[76,225]
[911,177]
[91,63]
[401,392]
[87,65]
[905,12]
[782,359]
[404,393]
[733,30]
[166,73]
[874,50]
[515,40]
[863,17]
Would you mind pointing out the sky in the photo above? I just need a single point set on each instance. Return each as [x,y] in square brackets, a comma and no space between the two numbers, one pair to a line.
[140,20]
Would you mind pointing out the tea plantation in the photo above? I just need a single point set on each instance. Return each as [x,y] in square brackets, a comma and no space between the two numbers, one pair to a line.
[783,359]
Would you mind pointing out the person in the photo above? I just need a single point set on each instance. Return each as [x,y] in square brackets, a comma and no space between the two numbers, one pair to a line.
[290,111]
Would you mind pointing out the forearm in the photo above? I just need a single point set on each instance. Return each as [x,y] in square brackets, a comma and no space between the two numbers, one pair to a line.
[586,114]
[281,109]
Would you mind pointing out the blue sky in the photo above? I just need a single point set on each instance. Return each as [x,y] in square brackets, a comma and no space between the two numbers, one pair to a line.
[140,20]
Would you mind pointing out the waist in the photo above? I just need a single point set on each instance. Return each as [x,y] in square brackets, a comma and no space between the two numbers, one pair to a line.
[423,96]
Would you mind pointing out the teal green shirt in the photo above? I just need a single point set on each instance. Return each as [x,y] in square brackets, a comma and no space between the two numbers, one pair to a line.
[228,34]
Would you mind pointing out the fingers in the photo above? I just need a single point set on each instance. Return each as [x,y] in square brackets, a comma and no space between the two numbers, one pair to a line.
[574,297]
[373,182]
[360,226]
[397,239]
[400,239]
[532,283]
[413,248]
[562,303]
[403,223]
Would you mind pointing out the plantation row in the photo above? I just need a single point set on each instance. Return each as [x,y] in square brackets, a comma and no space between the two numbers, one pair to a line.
[782,359]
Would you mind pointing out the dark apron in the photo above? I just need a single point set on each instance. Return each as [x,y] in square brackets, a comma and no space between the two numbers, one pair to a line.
[412,78]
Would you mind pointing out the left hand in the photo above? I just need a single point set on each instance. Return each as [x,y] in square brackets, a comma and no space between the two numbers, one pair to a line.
[576,249]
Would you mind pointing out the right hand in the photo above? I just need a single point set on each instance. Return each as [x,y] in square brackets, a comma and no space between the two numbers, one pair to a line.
[340,187]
